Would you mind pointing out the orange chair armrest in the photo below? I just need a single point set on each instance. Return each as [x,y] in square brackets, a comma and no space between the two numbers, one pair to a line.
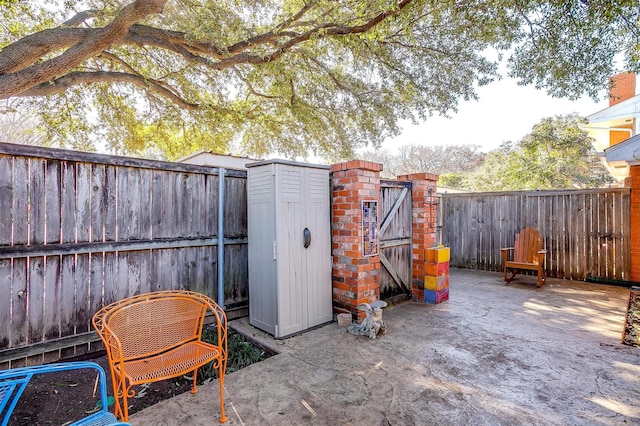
[504,253]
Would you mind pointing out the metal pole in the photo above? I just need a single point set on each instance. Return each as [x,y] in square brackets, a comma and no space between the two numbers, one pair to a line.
[221,186]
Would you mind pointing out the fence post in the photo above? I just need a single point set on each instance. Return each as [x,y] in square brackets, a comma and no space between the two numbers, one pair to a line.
[221,190]
[356,268]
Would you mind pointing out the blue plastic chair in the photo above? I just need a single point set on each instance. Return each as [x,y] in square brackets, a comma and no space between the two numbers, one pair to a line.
[13,383]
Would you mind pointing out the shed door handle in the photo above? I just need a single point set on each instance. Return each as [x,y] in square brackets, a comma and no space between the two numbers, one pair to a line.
[307,237]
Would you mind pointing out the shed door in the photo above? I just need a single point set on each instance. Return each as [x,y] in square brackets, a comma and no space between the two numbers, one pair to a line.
[304,274]
[395,238]
[318,260]
[262,270]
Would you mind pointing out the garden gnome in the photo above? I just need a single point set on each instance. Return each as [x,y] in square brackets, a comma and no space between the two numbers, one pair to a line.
[372,324]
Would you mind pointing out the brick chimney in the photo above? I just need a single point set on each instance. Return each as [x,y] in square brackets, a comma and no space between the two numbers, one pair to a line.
[621,87]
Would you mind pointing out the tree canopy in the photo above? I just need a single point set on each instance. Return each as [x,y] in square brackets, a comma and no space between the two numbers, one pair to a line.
[19,128]
[436,159]
[297,77]
[557,154]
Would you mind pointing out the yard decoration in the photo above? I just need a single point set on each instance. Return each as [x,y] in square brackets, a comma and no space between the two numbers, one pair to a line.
[436,275]
[372,325]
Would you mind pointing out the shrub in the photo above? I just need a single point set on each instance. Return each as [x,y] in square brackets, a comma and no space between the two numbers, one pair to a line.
[241,353]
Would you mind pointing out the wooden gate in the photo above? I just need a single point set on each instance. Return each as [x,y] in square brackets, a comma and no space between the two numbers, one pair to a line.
[395,238]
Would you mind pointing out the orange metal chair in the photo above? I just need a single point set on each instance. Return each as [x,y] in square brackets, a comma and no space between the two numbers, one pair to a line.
[527,253]
[157,336]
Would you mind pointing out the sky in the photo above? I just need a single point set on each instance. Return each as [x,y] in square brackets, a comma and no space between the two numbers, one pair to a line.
[503,111]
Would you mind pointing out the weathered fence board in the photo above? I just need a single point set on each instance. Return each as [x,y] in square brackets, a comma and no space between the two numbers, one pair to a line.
[81,318]
[586,232]
[19,319]
[80,230]
[6,199]
[97,196]
[5,302]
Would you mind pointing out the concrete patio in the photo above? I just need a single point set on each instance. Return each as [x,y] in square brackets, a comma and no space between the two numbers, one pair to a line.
[493,354]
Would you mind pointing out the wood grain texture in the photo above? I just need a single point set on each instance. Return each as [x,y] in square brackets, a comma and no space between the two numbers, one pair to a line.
[395,216]
[80,230]
[586,232]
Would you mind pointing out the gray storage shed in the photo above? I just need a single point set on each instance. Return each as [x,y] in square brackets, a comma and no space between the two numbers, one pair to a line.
[289,227]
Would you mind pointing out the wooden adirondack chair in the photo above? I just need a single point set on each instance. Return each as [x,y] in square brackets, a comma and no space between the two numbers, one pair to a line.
[527,253]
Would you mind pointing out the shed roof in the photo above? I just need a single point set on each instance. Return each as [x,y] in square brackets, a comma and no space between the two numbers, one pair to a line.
[214,159]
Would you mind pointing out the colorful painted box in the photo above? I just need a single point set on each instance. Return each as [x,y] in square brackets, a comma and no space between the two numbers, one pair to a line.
[436,283]
[436,296]
[437,254]
[436,278]
[442,295]
[436,269]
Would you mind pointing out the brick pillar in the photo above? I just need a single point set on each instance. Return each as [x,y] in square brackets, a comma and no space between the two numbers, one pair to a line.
[635,223]
[425,217]
[355,276]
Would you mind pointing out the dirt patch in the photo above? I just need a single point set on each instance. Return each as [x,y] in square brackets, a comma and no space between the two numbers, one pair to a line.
[64,397]
[68,396]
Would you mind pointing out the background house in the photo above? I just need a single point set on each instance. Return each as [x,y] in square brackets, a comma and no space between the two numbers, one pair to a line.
[628,153]
[617,123]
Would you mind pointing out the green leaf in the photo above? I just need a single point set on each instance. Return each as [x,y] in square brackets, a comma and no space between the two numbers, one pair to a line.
[98,406]
[95,409]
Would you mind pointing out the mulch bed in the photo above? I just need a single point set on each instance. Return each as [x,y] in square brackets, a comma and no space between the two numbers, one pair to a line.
[631,334]
[61,398]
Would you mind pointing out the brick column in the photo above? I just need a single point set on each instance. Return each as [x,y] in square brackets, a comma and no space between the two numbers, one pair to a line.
[634,220]
[425,217]
[622,87]
[355,276]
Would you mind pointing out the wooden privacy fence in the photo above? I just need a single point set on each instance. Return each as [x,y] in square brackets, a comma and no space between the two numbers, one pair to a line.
[80,230]
[586,232]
